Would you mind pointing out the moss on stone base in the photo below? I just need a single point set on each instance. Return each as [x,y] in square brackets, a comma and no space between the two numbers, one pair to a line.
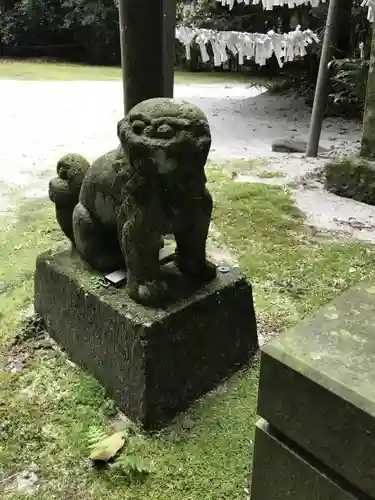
[351,178]
[153,362]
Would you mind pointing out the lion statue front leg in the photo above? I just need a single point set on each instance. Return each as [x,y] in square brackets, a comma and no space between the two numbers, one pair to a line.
[191,240]
[140,230]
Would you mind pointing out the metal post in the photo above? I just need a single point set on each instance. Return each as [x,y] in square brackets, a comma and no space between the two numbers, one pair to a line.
[142,42]
[321,82]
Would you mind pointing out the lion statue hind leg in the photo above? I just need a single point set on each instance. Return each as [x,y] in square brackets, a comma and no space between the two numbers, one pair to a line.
[97,247]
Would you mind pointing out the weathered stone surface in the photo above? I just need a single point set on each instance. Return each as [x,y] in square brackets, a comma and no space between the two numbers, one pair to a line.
[154,362]
[317,386]
[152,185]
[283,472]
[351,178]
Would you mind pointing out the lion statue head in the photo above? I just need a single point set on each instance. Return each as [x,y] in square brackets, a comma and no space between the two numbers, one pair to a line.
[165,137]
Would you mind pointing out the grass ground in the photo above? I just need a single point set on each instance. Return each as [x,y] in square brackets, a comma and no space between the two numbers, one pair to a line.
[37,70]
[48,408]
[256,167]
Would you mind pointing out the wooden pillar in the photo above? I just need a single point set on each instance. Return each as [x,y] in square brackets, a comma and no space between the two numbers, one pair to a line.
[147,33]
[169,45]
[142,42]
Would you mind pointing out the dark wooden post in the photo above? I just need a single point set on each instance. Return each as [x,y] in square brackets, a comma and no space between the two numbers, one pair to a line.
[169,46]
[142,38]
[147,29]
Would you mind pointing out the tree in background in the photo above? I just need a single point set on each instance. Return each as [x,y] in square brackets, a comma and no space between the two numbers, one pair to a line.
[368,134]
[70,29]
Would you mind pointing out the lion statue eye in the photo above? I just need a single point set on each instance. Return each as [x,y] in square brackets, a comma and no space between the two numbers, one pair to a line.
[138,127]
[165,131]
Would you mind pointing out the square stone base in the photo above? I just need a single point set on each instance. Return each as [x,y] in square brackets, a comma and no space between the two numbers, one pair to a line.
[316,386]
[153,362]
[282,472]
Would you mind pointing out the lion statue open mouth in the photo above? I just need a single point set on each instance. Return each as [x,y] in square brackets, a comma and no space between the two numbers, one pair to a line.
[117,210]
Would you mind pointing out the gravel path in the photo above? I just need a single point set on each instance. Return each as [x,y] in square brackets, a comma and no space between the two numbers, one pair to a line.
[40,121]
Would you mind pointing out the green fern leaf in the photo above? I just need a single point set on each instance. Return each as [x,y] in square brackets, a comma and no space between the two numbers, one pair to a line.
[94,436]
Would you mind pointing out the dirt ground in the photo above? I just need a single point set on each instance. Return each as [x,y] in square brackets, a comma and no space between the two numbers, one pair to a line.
[41,121]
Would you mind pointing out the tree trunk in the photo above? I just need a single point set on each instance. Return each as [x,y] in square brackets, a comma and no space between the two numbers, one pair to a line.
[368,133]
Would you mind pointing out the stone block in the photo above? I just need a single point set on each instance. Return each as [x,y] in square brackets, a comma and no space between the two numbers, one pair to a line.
[317,386]
[283,472]
[351,178]
[292,145]
[153,362]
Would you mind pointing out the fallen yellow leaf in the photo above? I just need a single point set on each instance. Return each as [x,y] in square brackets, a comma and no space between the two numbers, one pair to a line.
[107,448]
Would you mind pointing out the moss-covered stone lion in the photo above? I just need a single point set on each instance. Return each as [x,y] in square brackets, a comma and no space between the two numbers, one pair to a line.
[117,210]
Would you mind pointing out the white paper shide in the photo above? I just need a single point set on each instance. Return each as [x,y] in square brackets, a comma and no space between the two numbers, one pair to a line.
[257,46]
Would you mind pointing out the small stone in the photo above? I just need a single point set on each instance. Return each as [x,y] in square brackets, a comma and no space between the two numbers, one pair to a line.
[344,332]
[44,343]
[27,482]
[70,363]
[331,315]
[14,366]
[122,422]
[340,283]
[188,423]
[315,356]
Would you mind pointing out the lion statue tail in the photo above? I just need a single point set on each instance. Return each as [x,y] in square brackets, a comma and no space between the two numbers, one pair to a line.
[65,188]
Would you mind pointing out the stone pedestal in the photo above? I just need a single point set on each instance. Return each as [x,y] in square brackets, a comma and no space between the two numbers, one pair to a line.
[153,362]
[316,388]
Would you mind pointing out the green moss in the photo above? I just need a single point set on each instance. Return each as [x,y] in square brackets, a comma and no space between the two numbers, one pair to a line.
[33,70]
[242,166]
[47,409]
[32,230]
[292,272]
[268,174]
[351,178]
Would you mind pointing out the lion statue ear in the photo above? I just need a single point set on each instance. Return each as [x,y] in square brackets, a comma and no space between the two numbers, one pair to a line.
[120,130]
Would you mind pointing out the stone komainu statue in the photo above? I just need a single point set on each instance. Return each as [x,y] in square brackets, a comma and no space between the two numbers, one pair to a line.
[116,211]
